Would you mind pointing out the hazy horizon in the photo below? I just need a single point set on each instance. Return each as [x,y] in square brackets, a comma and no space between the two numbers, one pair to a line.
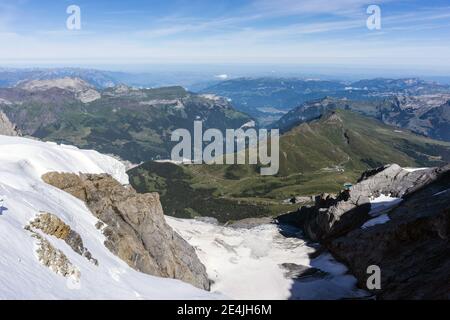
[412,40]
[209,72]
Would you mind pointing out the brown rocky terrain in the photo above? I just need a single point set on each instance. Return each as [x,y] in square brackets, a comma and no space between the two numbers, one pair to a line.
[53,226]
[48,255]
[134,227]
[6,127]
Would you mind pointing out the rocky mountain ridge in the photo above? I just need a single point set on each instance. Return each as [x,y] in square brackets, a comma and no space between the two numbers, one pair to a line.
[318,156]
[82,90]
[10,77]
[267,98]
[393,218]
[132,123]
[427,115]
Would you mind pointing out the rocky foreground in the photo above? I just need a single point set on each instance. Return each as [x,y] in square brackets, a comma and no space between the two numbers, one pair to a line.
[134,227]
[396,219]
[86,235]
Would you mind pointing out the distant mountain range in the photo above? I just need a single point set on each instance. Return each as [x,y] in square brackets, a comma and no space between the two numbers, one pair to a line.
[160,77]
[95,111]
[10,77]
[363,177]
[269,98]
[265,99]
[316,156]
[134,124]
[428,115]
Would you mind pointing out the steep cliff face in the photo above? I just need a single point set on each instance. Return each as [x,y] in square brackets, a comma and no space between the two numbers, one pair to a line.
[412,248]
[134,227]
[6,127]
[50,244]
[396,219]
[334,216]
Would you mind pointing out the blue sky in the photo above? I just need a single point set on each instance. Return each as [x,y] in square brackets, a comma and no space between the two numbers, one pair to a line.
[414,34]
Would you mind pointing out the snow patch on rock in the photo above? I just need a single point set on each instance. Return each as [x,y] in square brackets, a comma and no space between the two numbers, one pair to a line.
[383,203]
[375,221]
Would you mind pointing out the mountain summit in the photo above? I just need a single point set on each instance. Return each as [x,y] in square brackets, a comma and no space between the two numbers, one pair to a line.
[66,83]
[133,123]
[320,155]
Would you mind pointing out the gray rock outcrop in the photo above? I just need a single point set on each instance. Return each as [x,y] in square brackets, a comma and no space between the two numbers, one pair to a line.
[134,227]
[299,272]
[6,127]
[411,246]
[334,216]
[412,249]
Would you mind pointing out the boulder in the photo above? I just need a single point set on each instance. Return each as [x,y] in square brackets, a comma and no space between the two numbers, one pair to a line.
[301,272]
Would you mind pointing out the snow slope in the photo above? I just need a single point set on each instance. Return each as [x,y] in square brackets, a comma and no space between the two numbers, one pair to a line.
[245,263]
[25,195]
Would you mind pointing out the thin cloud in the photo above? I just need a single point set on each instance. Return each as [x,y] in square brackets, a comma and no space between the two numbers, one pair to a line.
[284,31]
[8,14]
[311,7]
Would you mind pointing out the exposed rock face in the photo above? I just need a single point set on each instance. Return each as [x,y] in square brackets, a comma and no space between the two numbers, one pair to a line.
[83,91]
[53,258]
[299,272]
[6,127]
[412,247]
[427,114]
[334,216]
[72,84]
[89,95]
[134,227]
[54,226]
